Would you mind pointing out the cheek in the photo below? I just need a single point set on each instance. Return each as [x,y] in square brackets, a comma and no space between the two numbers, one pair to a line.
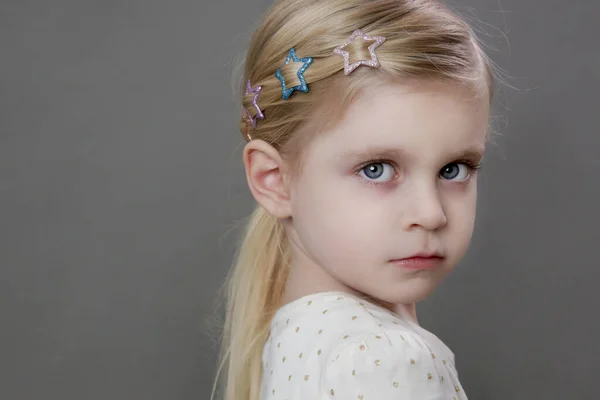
[461,211]
[333,220]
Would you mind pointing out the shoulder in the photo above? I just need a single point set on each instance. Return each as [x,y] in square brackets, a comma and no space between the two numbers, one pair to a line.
[343,320]
[388,364]
[359,351]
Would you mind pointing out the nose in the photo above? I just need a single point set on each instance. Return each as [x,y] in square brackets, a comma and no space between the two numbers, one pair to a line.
[424,209]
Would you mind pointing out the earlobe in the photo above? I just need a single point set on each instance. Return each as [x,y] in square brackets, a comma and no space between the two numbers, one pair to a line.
[265,173]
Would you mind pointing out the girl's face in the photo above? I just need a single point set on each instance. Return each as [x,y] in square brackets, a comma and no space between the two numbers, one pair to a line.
[393,179]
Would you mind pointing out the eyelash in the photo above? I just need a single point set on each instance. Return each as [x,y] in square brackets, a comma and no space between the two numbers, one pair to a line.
[472,167]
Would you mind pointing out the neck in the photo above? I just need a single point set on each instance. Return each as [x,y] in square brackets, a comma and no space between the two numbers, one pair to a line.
[309,278]
[407,310]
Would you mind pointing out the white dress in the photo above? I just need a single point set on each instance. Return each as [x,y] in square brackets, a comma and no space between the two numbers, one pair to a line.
[334,345]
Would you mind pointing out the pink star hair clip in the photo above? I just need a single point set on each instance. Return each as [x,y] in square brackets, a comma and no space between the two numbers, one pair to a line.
[259,115]
[373,62]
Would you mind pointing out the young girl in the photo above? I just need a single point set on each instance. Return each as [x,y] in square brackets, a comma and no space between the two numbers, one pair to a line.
[366,122]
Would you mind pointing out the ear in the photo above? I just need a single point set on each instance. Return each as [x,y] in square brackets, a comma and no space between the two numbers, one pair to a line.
[265,172]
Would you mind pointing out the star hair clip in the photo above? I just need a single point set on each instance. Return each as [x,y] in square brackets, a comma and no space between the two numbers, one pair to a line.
[302,87]
[259,114]
[373,62]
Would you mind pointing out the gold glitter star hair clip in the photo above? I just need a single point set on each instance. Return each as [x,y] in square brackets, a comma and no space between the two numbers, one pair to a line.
[358,35]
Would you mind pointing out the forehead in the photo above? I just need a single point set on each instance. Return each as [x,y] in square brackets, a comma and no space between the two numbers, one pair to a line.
[420,119]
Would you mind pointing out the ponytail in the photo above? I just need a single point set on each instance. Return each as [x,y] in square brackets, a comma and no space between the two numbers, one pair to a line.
[254,290]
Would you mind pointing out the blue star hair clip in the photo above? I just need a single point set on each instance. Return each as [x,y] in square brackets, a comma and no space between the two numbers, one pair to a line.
[302,87]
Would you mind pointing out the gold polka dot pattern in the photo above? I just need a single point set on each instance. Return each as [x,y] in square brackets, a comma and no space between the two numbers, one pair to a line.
[360,351]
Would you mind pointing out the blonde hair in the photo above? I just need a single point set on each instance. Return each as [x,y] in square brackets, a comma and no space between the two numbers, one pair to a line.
[424,40]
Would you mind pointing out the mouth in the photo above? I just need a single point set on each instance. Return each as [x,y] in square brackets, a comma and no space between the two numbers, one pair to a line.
[420,261]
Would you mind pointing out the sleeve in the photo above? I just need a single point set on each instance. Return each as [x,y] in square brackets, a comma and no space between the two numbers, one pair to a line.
[373,367]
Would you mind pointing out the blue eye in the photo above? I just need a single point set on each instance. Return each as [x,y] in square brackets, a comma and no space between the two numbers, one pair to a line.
[378,172]
[454,170]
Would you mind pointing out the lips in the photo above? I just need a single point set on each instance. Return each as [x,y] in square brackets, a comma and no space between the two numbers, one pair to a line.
[425,255]
[420,261]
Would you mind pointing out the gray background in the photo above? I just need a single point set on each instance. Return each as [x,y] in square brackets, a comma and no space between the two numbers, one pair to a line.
[121,186]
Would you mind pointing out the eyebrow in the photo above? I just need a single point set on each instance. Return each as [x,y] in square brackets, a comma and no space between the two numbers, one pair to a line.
[375,153]
[472,153]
